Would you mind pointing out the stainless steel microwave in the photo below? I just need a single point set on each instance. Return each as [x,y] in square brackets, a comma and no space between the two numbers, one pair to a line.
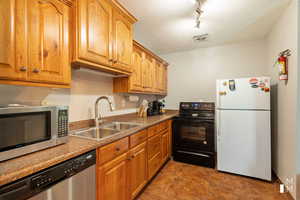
[26,129]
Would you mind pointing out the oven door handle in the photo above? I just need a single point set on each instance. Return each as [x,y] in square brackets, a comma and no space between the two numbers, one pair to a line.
[193,120]
[192,153]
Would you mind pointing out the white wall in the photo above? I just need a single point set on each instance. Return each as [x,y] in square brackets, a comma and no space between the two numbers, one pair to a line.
[284,96]
[86,87]
[298,115]
[193,74]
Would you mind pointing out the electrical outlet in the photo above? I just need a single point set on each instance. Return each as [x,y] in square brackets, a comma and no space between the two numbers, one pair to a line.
[290,184]
[281,188]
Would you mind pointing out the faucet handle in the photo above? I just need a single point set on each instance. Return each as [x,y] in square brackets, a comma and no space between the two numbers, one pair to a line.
[112,107]
[98,121]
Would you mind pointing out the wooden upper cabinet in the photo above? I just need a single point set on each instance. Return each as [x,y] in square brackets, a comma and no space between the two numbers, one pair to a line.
[122,32]
[165,79]
[94,31]
[148,76]
[48,36]
[34,46]
[12,61]
[103,36]
[162,78]
[136,78]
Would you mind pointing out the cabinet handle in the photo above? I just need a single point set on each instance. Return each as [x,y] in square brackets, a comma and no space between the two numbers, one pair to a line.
[111,60]
[23,69]
[115,61]
[130,157]
[118,149]
[36,70]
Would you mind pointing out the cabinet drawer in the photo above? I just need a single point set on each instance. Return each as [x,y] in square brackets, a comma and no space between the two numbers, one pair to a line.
[153,130]
[113,150]
[153,165]
[154,146]
[138,138]
[163,126]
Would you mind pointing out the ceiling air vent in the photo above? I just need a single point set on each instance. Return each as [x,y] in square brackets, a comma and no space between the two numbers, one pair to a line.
[200,38]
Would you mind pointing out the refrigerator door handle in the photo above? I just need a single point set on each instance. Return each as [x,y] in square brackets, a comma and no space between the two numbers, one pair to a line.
[218,124]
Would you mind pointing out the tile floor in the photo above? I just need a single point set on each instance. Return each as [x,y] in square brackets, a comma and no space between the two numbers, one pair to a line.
[179,181]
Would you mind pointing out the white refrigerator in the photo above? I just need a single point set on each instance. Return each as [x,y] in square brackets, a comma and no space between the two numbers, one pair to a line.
[244,127]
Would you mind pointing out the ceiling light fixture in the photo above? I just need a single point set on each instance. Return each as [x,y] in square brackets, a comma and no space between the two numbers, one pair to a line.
[199,12]
[200,38]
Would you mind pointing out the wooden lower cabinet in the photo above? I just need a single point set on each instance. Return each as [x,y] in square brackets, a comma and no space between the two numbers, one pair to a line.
[154,146]
[154,164]
[113,179]
[121,172]
[137,169]
[165,146]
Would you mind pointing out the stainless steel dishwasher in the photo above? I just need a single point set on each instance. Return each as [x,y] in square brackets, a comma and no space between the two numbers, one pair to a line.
[74,179]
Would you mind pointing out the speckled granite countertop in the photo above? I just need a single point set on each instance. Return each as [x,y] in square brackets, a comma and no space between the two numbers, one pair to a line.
[17,168]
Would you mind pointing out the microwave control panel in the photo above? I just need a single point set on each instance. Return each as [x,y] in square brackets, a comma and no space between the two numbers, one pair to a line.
[62,123]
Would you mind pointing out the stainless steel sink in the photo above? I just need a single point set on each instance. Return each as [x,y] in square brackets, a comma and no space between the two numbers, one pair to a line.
[97,133]
[120,126]
[104,131]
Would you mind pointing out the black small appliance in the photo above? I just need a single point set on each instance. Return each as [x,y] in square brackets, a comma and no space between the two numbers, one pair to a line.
[194,134]
[155,108]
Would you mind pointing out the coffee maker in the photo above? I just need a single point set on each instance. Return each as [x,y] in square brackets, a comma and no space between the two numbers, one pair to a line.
[155,108]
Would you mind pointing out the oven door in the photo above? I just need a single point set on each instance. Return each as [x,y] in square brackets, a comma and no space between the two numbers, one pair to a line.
[193,134]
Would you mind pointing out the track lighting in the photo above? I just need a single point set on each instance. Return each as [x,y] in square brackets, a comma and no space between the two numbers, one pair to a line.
[199,12]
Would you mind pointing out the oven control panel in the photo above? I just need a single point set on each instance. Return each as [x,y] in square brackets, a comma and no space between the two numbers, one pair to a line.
[197,106]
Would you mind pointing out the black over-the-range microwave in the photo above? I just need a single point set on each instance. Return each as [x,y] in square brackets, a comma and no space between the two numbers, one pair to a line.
[26,129]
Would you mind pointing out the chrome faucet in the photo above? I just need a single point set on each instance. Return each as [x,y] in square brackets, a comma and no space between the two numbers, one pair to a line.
[98,117]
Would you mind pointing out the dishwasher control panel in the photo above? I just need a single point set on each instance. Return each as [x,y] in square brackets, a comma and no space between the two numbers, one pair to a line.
[36,183]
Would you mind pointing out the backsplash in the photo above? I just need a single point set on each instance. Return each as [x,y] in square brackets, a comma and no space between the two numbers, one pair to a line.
[86,87]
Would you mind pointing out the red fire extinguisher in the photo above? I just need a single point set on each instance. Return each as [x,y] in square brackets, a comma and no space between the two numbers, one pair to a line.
[283,67]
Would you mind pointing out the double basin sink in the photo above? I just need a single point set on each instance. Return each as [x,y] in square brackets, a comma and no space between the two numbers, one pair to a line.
[105,131]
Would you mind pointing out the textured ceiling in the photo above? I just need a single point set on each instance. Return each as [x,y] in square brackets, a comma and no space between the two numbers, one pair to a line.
[168,25]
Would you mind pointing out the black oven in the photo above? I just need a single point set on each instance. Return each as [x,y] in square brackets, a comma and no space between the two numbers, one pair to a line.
[194,134]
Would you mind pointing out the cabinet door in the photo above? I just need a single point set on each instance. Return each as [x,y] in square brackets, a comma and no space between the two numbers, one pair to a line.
[152,76]
[123,43]
[157,77]
[138,169]
[161,74]
[94,31]
[170,137]
[165,79]
[12,44]
[136,76]
[165,146]
[113,180]
[48,40]
[147,76]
